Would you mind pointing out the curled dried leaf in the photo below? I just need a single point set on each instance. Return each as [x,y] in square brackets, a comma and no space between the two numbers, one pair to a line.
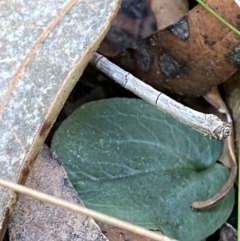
[189,57]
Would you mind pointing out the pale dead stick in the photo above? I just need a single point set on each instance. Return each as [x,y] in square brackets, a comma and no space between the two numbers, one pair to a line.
[83,210]
[206,124]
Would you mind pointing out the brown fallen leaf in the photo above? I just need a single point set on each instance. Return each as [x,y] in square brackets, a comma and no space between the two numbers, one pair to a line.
[36,220]
[191,56]
[213,97]
[43,52]
[168,12]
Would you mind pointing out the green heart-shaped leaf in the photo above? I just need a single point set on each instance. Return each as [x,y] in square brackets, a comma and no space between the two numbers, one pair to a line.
[131,161]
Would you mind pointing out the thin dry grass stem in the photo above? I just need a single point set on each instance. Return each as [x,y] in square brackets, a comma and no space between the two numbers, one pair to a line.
[208,124]
[85,211]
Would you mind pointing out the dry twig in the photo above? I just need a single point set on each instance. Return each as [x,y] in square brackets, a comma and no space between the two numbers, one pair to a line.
[208,124]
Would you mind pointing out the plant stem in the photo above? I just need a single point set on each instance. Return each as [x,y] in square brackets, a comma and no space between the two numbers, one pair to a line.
[216,15]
